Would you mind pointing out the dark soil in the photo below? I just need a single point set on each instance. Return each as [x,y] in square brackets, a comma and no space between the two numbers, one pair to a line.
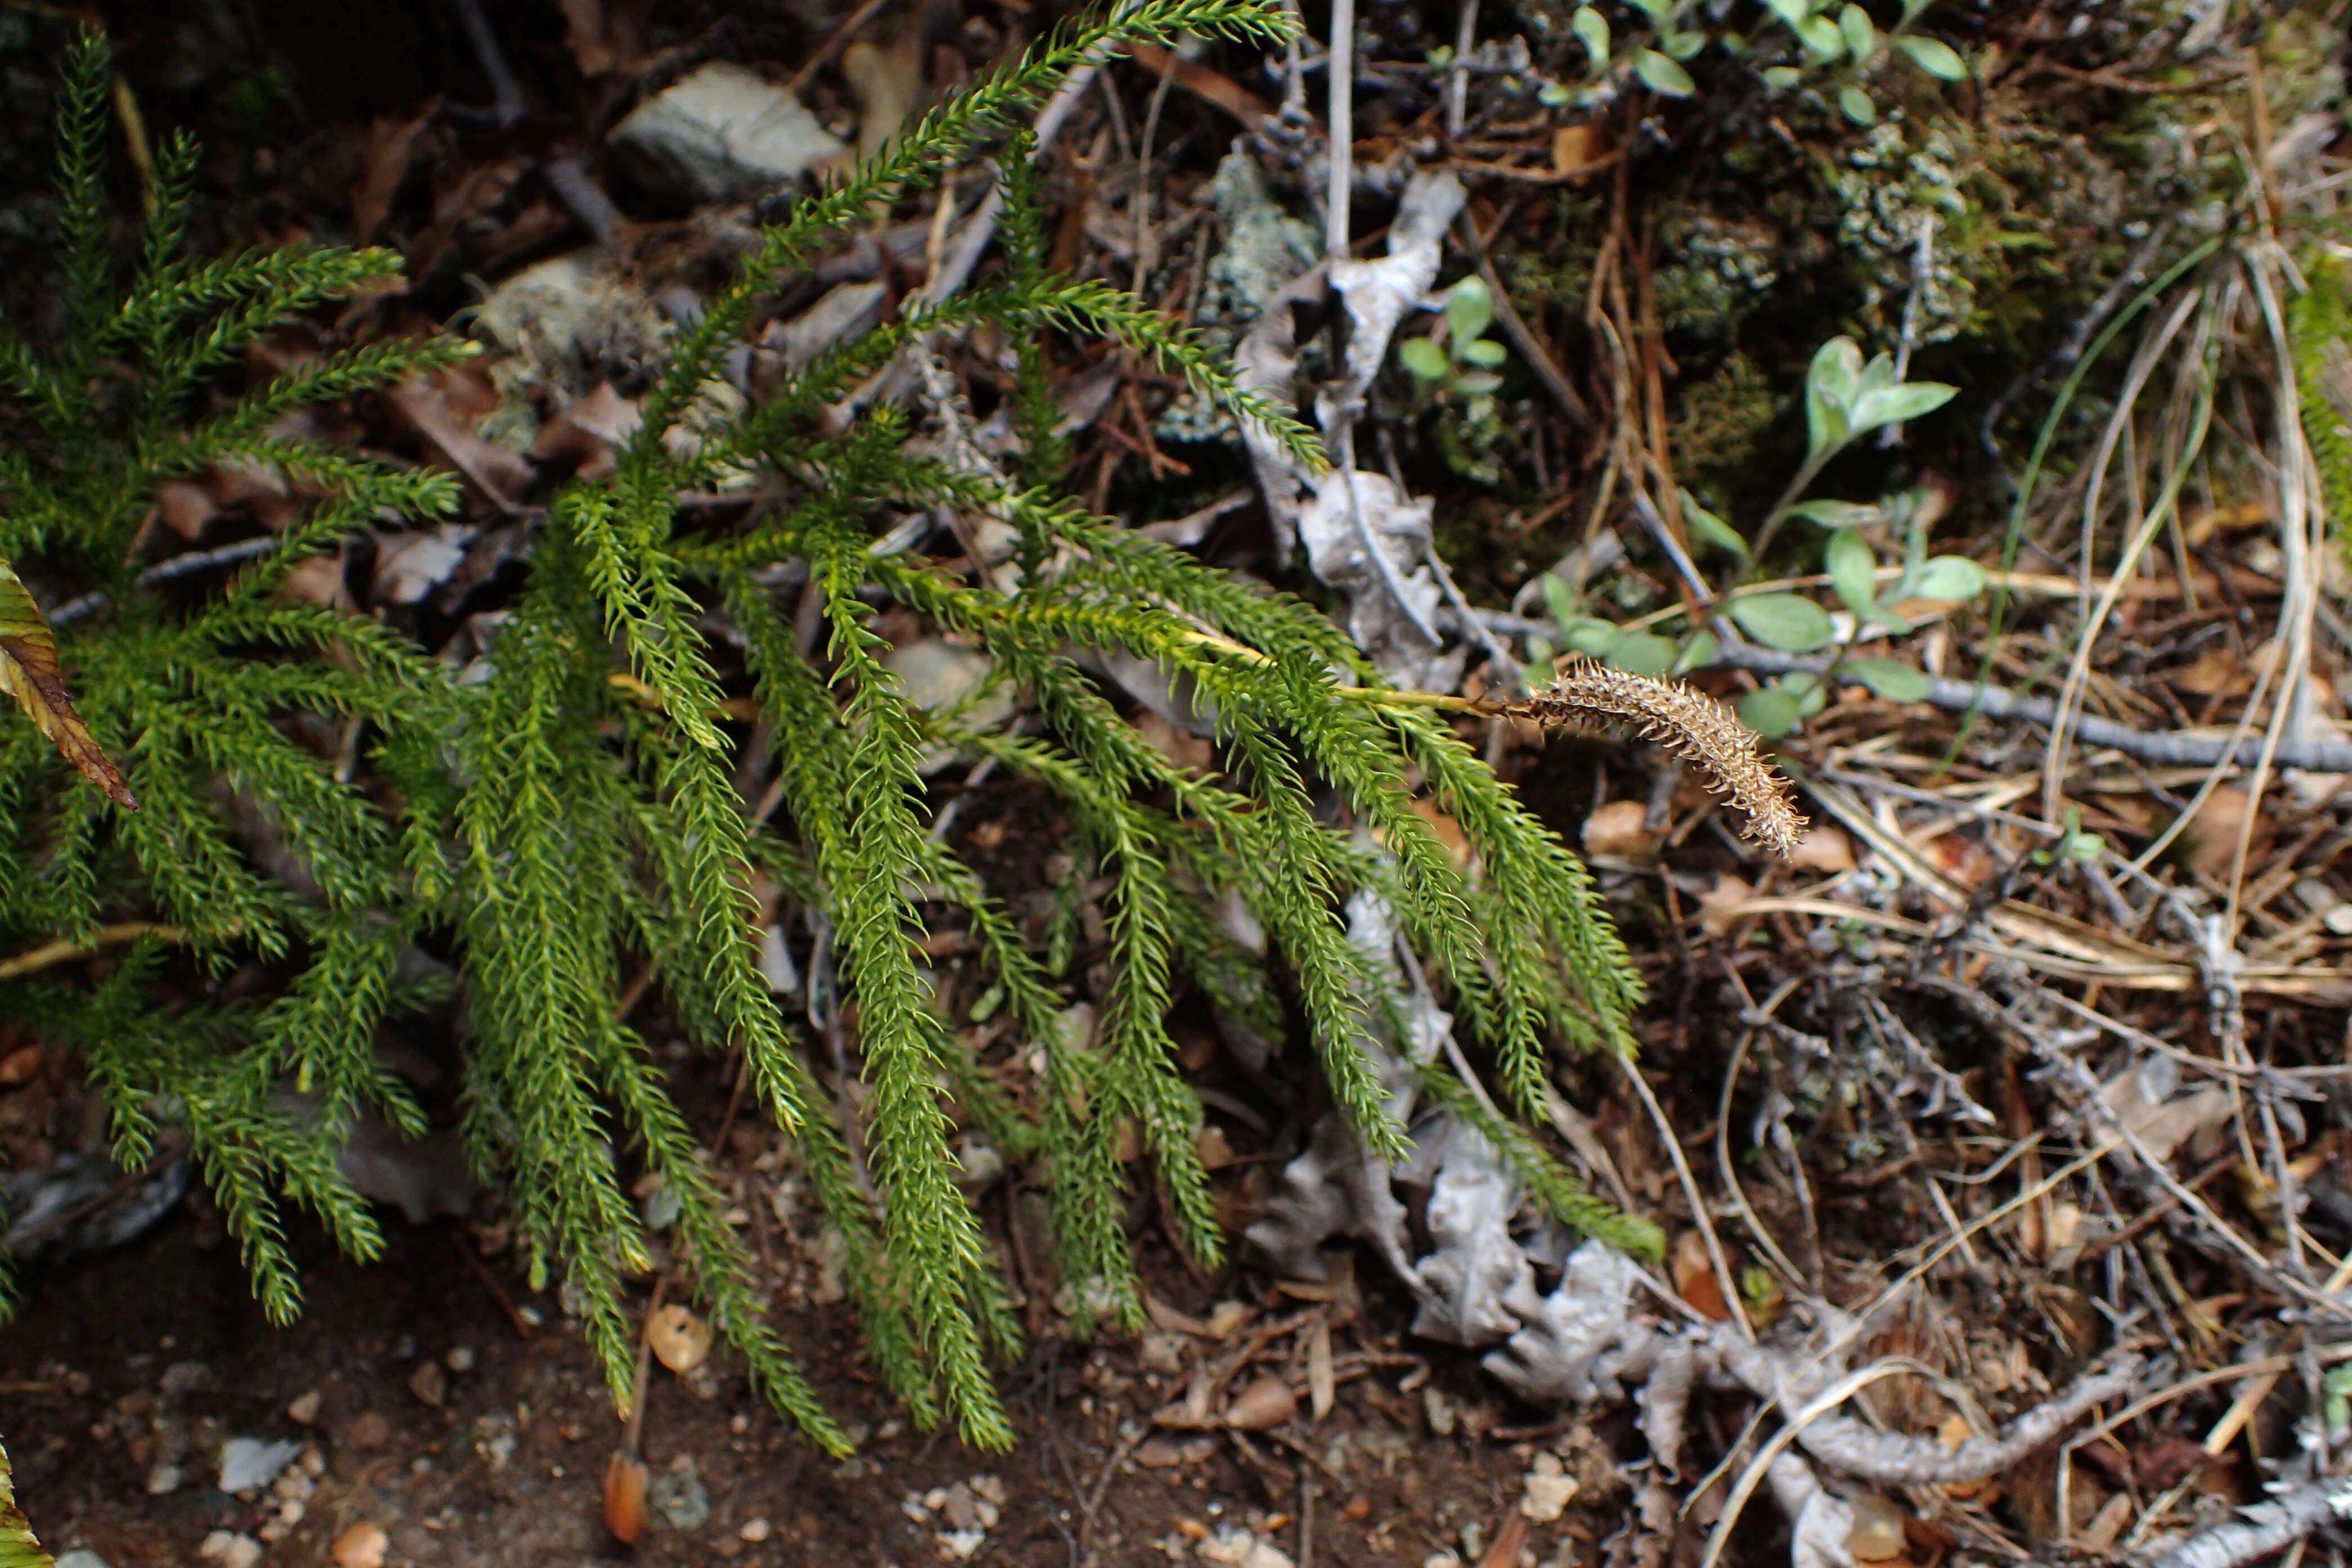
[117,1362]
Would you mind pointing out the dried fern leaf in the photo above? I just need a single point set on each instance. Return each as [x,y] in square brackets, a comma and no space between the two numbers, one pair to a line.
[1687,722]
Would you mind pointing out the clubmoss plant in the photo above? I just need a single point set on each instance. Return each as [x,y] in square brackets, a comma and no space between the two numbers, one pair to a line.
[570,821]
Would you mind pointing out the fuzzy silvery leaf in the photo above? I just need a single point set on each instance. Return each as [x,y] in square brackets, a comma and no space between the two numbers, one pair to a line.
[1469,308]
[1560,599]
[1891,678]
[1589,637]
[1770,710]
[1852,568]
[1949,577]
[1641,653]
[1712,530]
[1423,359]
[1698,654]
[1789,622]
[1830,382]
[1839,513]
[1935,57]
[1660,74]
[1822,37]
[1861,36]
[1592,31]
[1893,404]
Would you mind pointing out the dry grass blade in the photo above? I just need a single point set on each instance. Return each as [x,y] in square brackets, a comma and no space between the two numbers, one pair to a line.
[1691,725]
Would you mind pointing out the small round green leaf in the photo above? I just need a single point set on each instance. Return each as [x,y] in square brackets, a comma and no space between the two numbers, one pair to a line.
[1949,577]
[1820,38]
[1591,637]
[1712,530]
[1839,513]
[1856,106]
[1662,75]
[1785,621]
[1891,678]
[1483,351]
[1860,37]
[1641,653]
[1425,359]
[1853,572]
[1770,710]
[1935,57]
[1698,654]
[1592,31]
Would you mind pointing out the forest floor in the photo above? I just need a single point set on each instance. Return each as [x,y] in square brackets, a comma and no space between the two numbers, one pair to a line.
[2033,1059]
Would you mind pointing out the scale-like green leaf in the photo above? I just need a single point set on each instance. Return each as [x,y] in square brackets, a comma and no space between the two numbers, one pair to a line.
[29,673]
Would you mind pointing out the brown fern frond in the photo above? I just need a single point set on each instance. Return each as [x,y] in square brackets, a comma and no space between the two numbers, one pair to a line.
[1689,723]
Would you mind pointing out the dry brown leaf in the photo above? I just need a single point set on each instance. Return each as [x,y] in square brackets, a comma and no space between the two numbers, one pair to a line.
[1266,1403]
[1449,832]
[2216,672]
[625,1498]
[1824,848]
[583,35]
[2213,831]
[1619,829]
[185,507]
[1695,1278]
[317,580]
[680,1340]
[442,410]
[391,145]
[2199,527]
[1575,147]
[1214,1149]
[1322,1385]
[1714,905]
[1877,1532]
[29,673]
[1200,80]
[19,1066]
[583,436]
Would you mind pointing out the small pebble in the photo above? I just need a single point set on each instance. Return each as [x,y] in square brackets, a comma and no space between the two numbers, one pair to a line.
[755,1531]
[368,1430]
[1439,1411]
[230,1551]
[460,1358]
[361,1546]
[305,1408]
[428,1382]
[162,1479]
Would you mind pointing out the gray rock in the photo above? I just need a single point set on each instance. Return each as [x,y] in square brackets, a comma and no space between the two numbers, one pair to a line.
[679,1496]
[248,1464]
[722,134]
